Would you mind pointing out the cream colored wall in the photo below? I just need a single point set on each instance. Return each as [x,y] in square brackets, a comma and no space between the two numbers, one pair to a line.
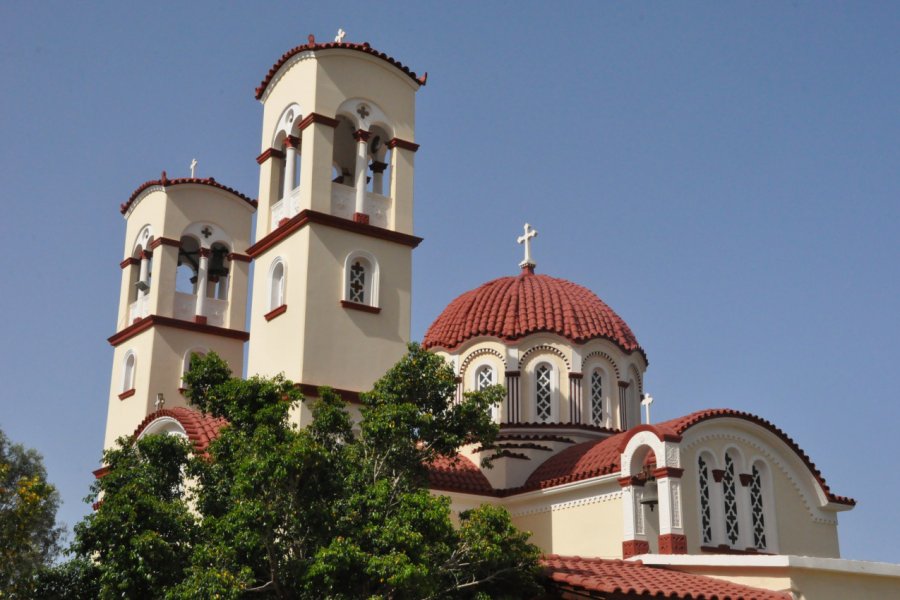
[160,354]
[797,527]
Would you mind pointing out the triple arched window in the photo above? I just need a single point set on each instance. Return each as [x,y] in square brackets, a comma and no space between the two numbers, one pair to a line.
[735,507]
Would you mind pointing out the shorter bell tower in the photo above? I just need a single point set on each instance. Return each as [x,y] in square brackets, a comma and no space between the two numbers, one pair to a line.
[183,292]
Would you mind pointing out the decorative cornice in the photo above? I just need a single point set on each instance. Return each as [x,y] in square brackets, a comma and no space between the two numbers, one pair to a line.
[316,118]
[718,475]
[269,153]
[129,262]
[512,373]
[402,144]
[378,167]
[237,256]
[307,216]
[361,307]
[623,384]
[574,375]
[275,312]
[127,394]
[746,479]
[163,182]
[361,135]
[156,320]
[673,472]
[164,241]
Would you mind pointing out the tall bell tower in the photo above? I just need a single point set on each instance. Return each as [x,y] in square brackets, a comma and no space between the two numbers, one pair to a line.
[184,291]
[334,231]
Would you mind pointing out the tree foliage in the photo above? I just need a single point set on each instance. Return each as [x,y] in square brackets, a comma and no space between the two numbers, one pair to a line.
[331,510]
[29,535]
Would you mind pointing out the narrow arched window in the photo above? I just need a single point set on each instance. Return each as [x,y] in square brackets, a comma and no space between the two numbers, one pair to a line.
[732,531]
[543,392]
[128,372]
[189,357]
[705,511]
[361,279]
[597,398]
[276,285]
[484,377]
[757,510]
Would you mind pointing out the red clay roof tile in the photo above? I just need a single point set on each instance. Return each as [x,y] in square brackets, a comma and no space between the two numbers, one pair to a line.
[459,475]
[633,579]
[201,428]
[512,307]
[165,182]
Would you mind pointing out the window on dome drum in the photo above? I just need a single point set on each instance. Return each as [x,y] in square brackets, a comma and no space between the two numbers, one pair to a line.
[757,513]
[705,513]
[276,286]
[128,373]
[543,400]
[597,398]
[731,511]
[357,287]
[484,377]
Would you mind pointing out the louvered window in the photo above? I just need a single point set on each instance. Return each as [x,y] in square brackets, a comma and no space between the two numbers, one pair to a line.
[732,531]
[705,513]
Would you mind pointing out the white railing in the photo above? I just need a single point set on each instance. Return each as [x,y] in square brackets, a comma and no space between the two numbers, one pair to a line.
[215,311]
[285,208]
[140,308]
[343,204]
[185,306]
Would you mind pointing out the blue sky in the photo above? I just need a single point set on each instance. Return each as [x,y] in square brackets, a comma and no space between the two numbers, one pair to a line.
[725,176]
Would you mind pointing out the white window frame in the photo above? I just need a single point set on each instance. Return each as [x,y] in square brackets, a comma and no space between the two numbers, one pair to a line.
[186,360]
[281,292]
[370,293]
[128,376]
[554,392]
[604,405]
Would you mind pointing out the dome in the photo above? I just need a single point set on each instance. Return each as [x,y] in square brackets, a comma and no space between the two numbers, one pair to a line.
[512,307]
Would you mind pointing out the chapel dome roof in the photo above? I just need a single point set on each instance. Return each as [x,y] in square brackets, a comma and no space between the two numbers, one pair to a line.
[512,307]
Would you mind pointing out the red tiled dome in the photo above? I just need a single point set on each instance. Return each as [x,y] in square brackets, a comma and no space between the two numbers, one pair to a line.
[512,307]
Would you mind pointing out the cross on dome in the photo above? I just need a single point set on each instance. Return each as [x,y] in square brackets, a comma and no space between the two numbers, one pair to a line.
[340,35]
[646,402]
[526,240]
[193,167]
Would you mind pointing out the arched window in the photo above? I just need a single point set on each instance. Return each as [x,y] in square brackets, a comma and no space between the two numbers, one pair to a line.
[217,276]
[361,279]
[188,361]
[705,509]
[543,392]
[757,509]
[729,490]
[484,377]
[128,372]
[597,397]
[188,264]
[276,284]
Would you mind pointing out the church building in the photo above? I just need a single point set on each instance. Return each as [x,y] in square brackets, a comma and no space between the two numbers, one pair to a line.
[715,504]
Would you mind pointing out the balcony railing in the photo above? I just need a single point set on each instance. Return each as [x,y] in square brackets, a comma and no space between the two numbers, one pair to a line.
[343,204]
[140,308]
[186,309]
[286,207]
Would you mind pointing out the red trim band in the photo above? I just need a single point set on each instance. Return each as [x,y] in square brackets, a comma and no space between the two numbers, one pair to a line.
[316,118]
[239,257]
[402,144]
[126,394]
[164,241]
[304,217]
[129,262]
[309,389]
[147,322]
[269,153]
[667,472]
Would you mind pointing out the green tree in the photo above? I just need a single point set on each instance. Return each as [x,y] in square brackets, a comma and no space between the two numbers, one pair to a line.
[29,535]
[332,510]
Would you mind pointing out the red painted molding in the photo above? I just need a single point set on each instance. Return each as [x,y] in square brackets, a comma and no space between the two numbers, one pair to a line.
[627,481]
[201,319]
[316,118]
[361,218]
[164,241]
[269,153]
[305,217]
[361,135]
[576,375]
[147,254]
[745,478]
[291,141]
[275,312]
[378,167]
[129,262]
[236,256]
[718,474]
[164,181]
[673,472]
[634,547]
[672,543]
[623,384]
[402,144]
[309,389]
[126,394]
[204,252]
[513,373]
[146,323]
[101,472]
[362,307]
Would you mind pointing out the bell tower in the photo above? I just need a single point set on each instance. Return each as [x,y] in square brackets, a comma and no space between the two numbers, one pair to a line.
[333,256]
[184,291]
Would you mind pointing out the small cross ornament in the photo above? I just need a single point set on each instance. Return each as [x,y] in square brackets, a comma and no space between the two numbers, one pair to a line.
[362,111]
[206,231]
[160,401]
[193,167]
[646,402]
[340,35]
[526,240]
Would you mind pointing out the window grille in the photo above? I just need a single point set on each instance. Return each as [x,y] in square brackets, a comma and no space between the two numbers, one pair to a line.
[484,378]
[596,398]
[358,283]
[756,507]
[731,513]
[543,396]
[705,514]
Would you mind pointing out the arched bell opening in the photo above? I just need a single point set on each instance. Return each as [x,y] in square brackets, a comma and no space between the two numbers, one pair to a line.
[379,161]
[219,268]
[188,265]
[646,498]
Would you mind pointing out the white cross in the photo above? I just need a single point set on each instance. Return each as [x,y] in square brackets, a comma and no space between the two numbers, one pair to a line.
[340,36]
[193,167]
[526,239]
[160,401]
[646,402]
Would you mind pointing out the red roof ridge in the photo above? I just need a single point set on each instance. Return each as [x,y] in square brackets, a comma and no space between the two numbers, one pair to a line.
[682,424]
[313,45]
[201,428]
[458,474]
[164,181]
